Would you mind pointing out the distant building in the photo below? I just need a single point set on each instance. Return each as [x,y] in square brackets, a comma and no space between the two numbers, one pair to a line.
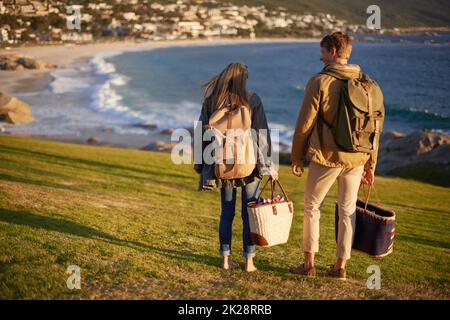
[27,10]
[130,16]
[179,19]
[4,35]
[192,28]
[76,36]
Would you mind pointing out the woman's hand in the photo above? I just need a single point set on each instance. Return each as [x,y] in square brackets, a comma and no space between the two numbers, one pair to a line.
[274,175]
[269,169]
[273,171]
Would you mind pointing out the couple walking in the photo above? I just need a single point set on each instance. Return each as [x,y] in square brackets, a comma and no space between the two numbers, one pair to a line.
[313,140]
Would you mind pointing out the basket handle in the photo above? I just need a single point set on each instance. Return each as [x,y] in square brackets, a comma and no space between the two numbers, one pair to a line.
[367,195]
[273,183]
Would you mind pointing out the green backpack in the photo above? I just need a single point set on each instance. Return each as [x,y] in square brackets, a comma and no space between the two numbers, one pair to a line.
[360,115]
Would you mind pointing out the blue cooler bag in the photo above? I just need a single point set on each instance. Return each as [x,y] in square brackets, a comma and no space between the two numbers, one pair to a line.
[374,228]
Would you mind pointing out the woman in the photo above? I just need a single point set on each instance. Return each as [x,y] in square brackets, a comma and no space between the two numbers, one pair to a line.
[229,88]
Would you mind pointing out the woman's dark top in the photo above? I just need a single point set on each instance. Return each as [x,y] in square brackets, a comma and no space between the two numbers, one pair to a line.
[208,178]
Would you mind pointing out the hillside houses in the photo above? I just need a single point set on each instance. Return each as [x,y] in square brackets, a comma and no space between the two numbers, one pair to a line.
[158,21]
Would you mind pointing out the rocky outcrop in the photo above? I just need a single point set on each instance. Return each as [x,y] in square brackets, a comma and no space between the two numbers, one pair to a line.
[93,140]
[167,131]
[17,62]
[13,110]
[398,150]
[423,155]
[159,145]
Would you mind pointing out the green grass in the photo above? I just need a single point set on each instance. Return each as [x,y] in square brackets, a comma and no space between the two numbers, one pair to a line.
[138,228]
[425,171]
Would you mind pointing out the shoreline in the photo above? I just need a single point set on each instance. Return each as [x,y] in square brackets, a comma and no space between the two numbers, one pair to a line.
[67,55]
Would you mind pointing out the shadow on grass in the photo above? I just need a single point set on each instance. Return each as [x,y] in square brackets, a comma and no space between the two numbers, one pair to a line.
[8,177]
[24,218]
[32,220]
[423,241]
[416,208]
[163,177]
[28,219]
[428,172]
[76,162]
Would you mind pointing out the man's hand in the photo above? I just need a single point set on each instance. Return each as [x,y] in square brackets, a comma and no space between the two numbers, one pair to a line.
[297,170]
[368,177]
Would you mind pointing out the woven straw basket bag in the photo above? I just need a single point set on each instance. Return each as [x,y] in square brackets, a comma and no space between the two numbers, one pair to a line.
[270,223]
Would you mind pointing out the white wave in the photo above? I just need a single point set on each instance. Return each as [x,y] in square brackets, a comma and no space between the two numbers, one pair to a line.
[281,136]
[426,111]
[279,126]
[174,115]
[101,66]
[107,100]
[164,115]
[67,80]
[119,80]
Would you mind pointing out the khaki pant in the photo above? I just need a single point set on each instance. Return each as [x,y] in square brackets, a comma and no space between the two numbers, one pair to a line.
[319,181]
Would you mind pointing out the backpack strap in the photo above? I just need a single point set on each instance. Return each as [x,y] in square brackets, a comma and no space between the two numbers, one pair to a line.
[321,118]
[337,76]
[334,75]
[249,97]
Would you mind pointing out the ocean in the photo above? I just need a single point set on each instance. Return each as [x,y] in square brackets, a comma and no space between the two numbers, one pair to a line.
[163,87]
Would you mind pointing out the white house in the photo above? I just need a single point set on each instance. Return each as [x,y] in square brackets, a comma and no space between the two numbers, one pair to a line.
[149,27]
[76,36]
[4,35]
[86,17]
[191,27]
[27,10]
[157,6]
[129,16]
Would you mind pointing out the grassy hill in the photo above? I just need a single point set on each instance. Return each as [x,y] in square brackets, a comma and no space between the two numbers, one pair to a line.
[138,228]
[398,13]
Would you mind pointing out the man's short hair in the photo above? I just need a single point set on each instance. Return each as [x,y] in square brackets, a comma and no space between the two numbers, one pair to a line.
[339,41]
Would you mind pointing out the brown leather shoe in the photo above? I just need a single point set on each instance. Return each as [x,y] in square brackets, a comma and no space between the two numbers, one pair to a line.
[339,274]
[311,272]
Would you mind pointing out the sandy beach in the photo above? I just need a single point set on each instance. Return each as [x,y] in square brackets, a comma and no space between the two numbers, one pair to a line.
[64,56]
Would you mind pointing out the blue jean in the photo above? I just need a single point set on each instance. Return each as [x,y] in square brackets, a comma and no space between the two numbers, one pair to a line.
[228,201]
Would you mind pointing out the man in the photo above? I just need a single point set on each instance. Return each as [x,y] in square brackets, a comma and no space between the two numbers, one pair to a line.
[313,140]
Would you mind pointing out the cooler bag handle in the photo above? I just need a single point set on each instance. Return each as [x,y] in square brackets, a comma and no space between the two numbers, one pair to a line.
[367,195]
